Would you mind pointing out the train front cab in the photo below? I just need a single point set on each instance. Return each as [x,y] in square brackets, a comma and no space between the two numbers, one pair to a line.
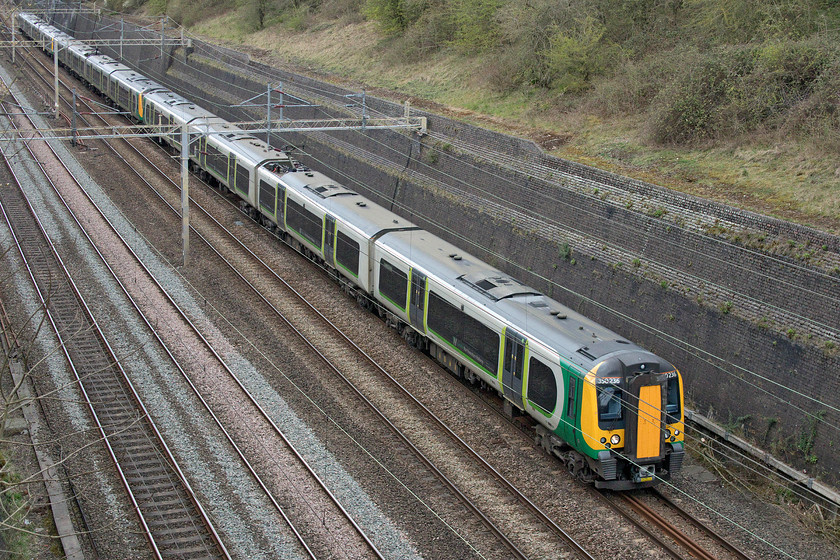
[632,421]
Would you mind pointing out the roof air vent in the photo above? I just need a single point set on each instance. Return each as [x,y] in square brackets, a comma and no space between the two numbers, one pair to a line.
[361,204]
[561,315]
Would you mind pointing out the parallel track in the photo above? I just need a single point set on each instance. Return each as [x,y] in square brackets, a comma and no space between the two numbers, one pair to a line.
[247,397]
[174,523]
[661,527]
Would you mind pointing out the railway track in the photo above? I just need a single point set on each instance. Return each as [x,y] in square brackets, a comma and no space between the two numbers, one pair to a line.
[684,542]
[326,515]
[173,521]
[254,280]
[678,532]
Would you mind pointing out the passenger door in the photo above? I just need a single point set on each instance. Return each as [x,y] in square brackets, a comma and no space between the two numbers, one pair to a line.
[329,240]
[570,416]
[417,303]
[513,366]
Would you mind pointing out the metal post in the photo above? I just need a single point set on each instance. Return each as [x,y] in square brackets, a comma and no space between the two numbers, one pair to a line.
[280,89]
[364,111]
[55,71]
[73,126]
[185,191]
[268,118]
[14,38]
[122,32]
[162,34]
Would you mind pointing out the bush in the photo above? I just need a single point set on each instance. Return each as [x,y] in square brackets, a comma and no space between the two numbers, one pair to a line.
[689,107]
[578,54]
[476,26]
[394,16]
[635,84]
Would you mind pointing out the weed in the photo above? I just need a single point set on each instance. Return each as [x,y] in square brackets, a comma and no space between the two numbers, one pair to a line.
[738,424]
[808,435]
[637,263]
[565,251]
[771,423]
[664,284]
[791,333]
[726,307]
[785,495]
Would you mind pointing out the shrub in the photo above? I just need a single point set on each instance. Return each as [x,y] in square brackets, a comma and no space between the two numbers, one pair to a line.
[476,26]
[689,107]
[579,53]
[394,16]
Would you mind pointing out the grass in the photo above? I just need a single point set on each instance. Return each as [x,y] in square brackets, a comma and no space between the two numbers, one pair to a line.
[765,173]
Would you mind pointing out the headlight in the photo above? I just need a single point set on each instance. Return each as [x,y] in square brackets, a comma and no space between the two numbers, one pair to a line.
[603,440]
[676,432]
[614,439]
[667,434]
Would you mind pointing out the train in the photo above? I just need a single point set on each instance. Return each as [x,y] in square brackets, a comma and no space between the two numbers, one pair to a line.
[610,410]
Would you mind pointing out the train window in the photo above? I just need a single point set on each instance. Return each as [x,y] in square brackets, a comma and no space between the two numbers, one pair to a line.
[672,407]
[216,161]
[393,284]
[542,386]
[304,222]
[124,97]
[268,194]
[243,178]
[570,398]
[609,403]
[469,335]
[347,253]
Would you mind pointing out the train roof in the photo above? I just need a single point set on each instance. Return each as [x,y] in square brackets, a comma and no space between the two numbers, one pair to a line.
[545,320]
[182,108]
[81,49]
[31,18]
[247,146]
[136,81]
[345,204]
[106,64]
